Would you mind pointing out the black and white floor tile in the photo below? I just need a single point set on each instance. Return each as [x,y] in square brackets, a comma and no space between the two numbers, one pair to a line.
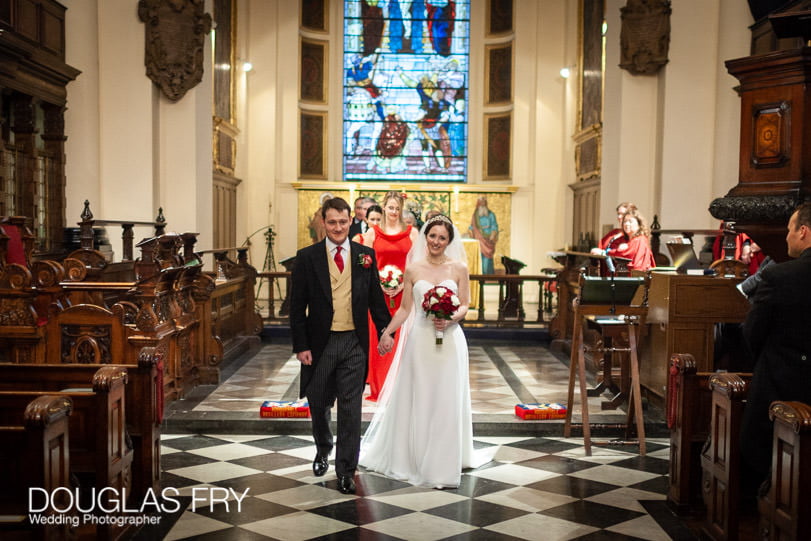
[535,488]
[540,486]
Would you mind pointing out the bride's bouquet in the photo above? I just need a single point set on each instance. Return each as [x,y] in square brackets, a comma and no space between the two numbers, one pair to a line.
[391,277]
[440,303]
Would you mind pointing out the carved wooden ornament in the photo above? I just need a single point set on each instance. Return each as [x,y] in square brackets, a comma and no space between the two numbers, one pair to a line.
[175,38]
[645,36]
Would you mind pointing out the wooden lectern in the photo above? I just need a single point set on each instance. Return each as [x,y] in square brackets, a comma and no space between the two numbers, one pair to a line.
[607,297]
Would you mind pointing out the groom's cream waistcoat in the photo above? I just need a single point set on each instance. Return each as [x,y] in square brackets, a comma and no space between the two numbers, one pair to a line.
[341,283]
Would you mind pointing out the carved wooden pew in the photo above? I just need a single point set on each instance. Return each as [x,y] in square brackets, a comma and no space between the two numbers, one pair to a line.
[785,510]
[34,454]
[97,432]
[720,459]
[27,289]
[689,411]
[143,403]
[232,310]
[688,417]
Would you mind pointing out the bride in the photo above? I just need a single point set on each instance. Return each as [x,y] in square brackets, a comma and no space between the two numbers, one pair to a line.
[422,430]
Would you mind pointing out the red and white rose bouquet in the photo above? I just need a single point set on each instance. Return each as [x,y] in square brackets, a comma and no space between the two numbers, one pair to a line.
[440,303]
[391,277]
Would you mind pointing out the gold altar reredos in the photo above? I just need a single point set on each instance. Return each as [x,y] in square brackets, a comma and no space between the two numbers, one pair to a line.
[459,202]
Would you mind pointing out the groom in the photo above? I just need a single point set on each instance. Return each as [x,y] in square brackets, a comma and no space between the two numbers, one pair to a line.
[335,285]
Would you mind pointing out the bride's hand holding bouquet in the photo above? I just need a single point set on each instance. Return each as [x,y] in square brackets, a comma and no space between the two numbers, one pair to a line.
[440,303]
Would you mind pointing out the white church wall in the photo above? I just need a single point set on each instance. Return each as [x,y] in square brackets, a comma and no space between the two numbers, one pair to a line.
[671,140]
[130,150]
[542,168]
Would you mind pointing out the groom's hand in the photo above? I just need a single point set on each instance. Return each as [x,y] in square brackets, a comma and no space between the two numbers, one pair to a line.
[305,357]
[385,344]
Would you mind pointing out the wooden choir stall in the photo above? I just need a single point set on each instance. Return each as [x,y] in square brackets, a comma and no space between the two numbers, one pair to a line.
[106,346]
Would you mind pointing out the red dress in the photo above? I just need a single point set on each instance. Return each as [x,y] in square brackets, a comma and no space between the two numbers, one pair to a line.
[389,250]
[637,250]
[609,237]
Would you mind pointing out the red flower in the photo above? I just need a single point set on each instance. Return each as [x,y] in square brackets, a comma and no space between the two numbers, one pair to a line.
[365,261]
[440,302]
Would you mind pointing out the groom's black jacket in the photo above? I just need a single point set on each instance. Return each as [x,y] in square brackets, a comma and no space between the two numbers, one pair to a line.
[311,301]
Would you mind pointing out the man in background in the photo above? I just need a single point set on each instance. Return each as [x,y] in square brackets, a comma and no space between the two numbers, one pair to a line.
[777,332]
[359,225]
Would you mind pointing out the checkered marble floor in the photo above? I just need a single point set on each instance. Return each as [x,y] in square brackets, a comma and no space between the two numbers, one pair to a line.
[539,485]
[535,488]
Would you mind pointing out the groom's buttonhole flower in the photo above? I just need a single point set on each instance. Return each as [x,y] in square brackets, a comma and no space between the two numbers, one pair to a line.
[365,260]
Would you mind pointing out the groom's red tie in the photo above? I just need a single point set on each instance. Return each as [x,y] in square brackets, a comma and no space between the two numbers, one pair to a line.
[339,260]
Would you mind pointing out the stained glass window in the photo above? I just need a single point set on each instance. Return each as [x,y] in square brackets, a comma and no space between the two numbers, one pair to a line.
[405,90]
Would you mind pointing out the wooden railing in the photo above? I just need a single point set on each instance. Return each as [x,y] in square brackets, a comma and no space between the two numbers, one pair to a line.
[274,292]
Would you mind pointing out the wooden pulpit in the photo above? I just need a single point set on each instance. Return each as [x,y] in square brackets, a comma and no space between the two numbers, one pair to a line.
[775,148]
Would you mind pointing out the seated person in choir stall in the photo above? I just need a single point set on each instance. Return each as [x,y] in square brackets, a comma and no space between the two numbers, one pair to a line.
[615,233]
[776,330]
[374,215]
[633,243]
[746,250]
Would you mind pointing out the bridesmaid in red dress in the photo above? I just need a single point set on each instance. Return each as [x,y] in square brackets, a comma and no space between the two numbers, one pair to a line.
[391,241]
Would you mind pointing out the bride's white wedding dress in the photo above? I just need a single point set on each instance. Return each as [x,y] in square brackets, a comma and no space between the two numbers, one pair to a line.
[422,431]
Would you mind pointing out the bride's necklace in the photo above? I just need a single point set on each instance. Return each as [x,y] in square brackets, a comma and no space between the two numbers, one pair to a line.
[442,260]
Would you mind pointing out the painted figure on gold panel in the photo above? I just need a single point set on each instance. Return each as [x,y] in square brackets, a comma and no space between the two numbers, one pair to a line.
[318,231]
[484,228]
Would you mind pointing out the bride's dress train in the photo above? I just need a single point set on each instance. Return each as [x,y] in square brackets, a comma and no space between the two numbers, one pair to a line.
[422,431]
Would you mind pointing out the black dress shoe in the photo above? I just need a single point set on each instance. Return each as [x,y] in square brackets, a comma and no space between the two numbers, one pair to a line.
[346,484]
[320,465]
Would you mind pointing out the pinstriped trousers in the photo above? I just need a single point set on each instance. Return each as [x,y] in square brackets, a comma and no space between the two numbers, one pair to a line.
[339,373]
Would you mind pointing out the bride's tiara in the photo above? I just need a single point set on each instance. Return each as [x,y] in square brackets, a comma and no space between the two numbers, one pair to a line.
[439,218]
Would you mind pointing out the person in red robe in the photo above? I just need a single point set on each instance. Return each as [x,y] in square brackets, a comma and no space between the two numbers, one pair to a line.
[615,233]
[746,250]
[634,243]
[391,240]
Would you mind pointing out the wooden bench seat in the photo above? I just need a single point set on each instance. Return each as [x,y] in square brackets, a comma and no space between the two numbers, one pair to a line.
[689,411]
[34,454]
[143,403]
[786,508]
[721,458]
[97,432]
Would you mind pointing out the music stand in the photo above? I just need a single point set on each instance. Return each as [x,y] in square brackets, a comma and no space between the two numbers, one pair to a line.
[607,297]
[683,256]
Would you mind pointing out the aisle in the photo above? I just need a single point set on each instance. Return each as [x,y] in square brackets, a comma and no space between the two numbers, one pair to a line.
[536,488]
[539,486]
[501,375]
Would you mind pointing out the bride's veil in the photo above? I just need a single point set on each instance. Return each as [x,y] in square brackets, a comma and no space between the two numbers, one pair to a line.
[419,251]
[455,249]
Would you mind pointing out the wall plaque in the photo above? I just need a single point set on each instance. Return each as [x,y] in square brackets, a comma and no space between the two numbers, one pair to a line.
[174,33]
[645,36]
